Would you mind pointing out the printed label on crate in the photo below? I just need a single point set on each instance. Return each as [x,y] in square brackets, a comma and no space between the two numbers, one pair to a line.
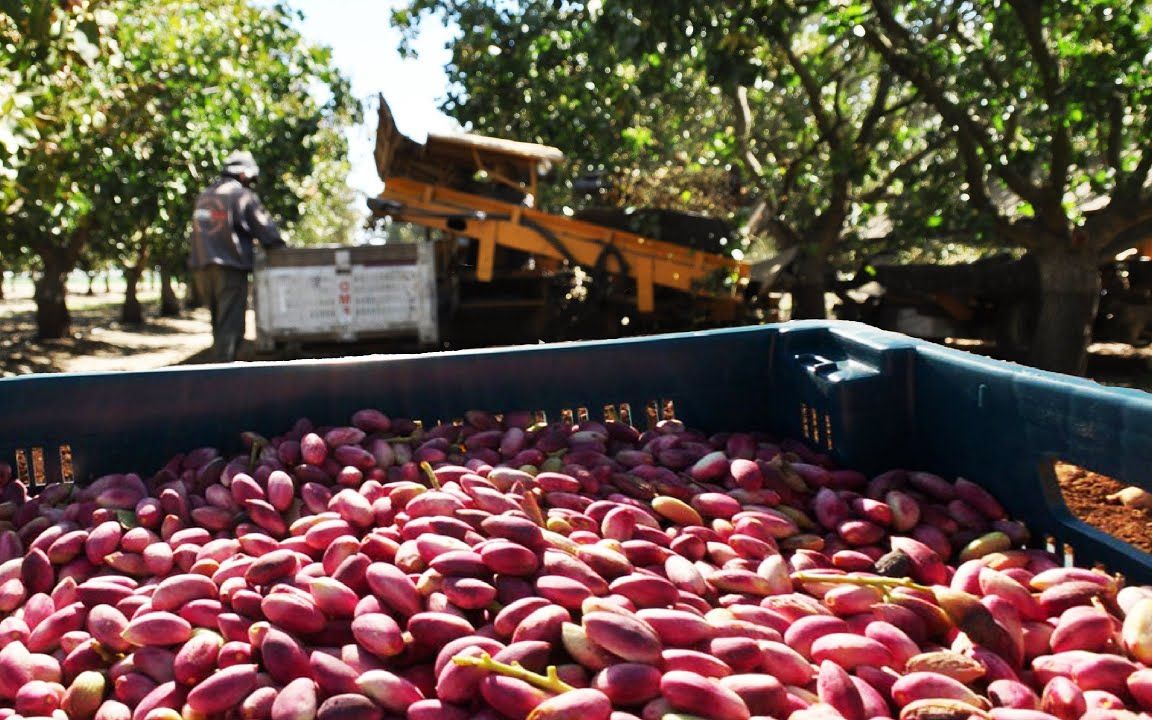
[385,296]
[367,299]
[303,299]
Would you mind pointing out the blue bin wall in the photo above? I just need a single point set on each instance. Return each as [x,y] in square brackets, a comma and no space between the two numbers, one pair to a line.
[874,400]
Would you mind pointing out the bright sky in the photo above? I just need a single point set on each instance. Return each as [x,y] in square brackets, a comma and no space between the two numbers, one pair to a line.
[364,45]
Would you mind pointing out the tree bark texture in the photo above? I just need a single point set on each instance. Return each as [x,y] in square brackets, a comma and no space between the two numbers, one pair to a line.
[131,312]
[809,287]
[53,321]
[169,304]
[1069,295]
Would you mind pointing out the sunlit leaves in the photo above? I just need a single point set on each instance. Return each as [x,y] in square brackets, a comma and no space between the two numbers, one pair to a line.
[1052,97]
[123,138]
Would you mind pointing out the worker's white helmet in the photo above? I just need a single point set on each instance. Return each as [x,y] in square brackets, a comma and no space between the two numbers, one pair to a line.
[241,163]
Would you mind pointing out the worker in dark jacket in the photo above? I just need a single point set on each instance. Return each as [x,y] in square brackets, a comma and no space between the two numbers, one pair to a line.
[228,217]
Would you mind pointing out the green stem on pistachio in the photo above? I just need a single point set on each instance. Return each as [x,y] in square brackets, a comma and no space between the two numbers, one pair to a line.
[880,582]
[254,455]
[431,474]
[550,682]
[403,438]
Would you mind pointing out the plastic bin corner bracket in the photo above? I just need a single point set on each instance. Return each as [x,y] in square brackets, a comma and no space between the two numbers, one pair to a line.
[843,392]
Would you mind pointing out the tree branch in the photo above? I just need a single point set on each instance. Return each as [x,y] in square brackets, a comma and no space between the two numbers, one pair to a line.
[1115,133]
[875,112]
[743,115]
[990,70]
[913,67]
[831,223]
[793,169]
[1130,187]
[766,219]
[1140,174]
[1027,12]
[906,102]
[811,87]
[1130,237]
[1103,227]
[948,19]
[837,89]
[881,189]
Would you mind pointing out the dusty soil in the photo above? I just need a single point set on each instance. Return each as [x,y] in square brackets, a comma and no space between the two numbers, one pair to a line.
[1086,494]
[101,343]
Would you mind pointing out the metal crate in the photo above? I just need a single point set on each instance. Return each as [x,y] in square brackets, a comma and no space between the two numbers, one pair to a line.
[345,294]
[872,399]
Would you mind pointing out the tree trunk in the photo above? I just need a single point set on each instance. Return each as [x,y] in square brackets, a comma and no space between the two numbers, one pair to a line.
[192,299]
[169,304]
[808,290]
[1069,295]
[132,312]
[107,282]
[3,279]
[91,284]
[53,321]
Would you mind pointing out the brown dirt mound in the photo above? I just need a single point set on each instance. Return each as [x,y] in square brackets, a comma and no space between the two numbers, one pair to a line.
[1086,494]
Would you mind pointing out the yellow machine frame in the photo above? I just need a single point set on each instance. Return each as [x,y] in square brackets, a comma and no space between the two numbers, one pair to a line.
[429,184]
[494,223]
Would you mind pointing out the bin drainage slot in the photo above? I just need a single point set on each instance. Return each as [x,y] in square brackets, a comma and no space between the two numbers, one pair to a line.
[22,468]
[609,413]
[626,413]
[31,470]
[651,410]
[582,415]
[38,476]
[816,427]
[1111,506]
[67,475]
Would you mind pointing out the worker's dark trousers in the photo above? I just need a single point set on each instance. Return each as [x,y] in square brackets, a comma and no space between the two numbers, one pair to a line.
[225,289]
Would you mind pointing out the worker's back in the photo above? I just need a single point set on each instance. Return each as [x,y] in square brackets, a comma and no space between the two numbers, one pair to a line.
[226,219]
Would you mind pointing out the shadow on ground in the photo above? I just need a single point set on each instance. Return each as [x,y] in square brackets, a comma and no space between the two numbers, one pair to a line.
[98,341]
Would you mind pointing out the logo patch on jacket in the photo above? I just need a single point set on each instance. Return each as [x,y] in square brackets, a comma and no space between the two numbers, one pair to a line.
[211,216]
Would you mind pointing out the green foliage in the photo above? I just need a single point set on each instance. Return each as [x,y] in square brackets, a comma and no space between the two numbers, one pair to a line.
[326,212]
[117,113]
[1005,119]
[251,85]
[577,76]
[771,112]
[1048,107]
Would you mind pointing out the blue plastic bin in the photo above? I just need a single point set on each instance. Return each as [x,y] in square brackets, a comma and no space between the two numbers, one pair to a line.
[874,400]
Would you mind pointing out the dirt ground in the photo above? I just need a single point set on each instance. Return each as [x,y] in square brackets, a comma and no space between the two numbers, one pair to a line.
[1086,495]
[101,343]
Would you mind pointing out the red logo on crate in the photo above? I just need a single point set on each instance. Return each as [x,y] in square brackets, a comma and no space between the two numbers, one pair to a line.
[345,296]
